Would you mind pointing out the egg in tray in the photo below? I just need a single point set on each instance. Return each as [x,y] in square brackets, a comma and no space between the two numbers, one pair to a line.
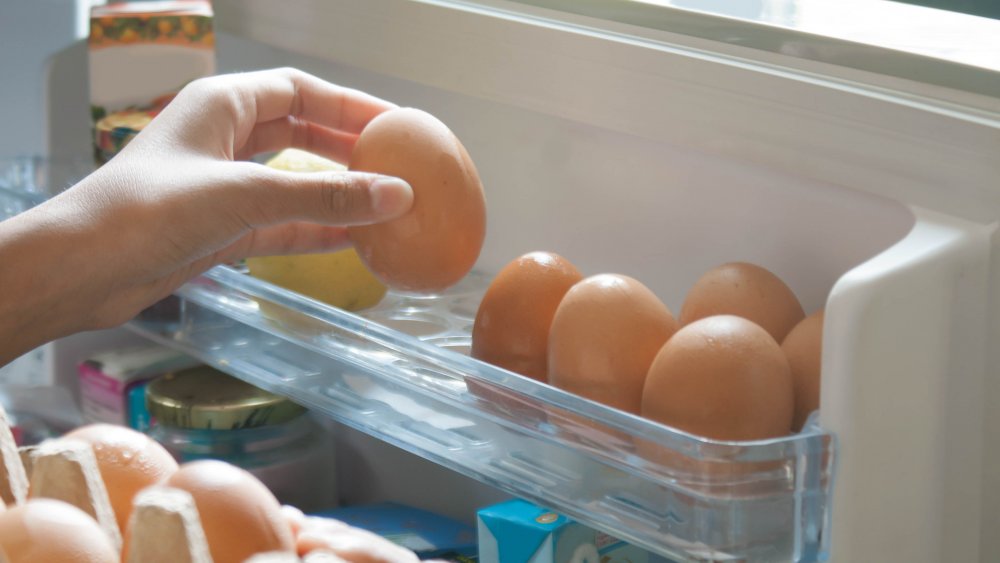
[741,362]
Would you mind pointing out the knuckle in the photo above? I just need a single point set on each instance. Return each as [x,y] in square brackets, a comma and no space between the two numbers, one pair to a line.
[219,93]
[300,134]
[289,72]
[202,87]
[346,196]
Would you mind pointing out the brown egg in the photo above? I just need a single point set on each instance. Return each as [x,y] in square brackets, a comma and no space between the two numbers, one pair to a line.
[803,347]
[240,515]
[747,291]
[129,462]
[606,332]
[46,530]
[722,377]
[514,317]
[438,240]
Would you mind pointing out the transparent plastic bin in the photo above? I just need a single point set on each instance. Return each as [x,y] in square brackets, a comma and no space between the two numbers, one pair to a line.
[400,372]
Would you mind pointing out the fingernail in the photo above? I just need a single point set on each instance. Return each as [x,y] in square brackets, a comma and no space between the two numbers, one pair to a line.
[391,196]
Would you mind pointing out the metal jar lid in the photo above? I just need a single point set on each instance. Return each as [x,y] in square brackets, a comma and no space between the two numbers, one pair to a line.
[205,398]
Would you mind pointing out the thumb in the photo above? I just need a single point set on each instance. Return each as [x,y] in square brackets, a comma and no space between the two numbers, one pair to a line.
[328,197]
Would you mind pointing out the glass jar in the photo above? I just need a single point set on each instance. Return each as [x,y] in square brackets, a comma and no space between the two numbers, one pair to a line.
[202,413]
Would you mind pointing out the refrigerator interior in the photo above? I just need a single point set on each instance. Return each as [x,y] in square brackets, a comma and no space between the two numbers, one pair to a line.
[903,259]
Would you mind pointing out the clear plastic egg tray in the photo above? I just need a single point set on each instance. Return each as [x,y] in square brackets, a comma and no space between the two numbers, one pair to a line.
[401,372]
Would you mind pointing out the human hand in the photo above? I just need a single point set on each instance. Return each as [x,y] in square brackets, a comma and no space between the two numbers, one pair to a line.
[180,199]
[347,543]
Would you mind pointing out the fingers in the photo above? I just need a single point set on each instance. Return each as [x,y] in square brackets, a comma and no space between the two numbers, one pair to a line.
[323,556]
[291,131]
[264,196]
[287,91]
[295,518]
[225,116]
[350,543]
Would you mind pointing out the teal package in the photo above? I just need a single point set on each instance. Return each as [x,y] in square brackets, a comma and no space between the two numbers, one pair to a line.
[518,531]
[136,414]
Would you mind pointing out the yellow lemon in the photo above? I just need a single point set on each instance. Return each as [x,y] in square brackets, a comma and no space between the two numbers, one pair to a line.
[302,161]
[338,278]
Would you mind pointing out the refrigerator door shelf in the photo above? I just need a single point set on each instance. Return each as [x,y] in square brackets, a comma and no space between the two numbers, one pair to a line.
[400,372]
[665,490]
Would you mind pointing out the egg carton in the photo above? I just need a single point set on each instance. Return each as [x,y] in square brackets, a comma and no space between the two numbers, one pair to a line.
[81,497]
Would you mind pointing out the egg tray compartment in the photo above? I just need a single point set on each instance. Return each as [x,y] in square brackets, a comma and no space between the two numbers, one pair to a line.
[400,372]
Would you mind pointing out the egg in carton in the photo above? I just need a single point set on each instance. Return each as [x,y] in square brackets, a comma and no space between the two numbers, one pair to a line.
[64,528]
[200,512]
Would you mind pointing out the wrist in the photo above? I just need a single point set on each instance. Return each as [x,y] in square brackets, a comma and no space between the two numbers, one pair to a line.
[47,285]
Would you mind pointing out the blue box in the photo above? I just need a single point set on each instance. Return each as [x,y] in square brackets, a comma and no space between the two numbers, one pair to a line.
[517,531]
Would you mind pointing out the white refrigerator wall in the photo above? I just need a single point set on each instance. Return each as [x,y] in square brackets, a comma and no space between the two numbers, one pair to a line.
[40,53]
[612,202]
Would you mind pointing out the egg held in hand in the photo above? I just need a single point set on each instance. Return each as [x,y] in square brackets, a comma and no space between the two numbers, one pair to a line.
[46,530]
[803,347]
[605,334]
[240,515]
[435,243]
[721,377]
[745,290]
[512,323]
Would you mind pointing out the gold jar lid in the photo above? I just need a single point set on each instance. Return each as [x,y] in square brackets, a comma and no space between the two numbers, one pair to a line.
[205,398]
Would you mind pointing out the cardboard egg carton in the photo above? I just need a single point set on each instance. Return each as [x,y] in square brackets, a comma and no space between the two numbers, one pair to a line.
[13,479]
[164,527]
[67,470]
